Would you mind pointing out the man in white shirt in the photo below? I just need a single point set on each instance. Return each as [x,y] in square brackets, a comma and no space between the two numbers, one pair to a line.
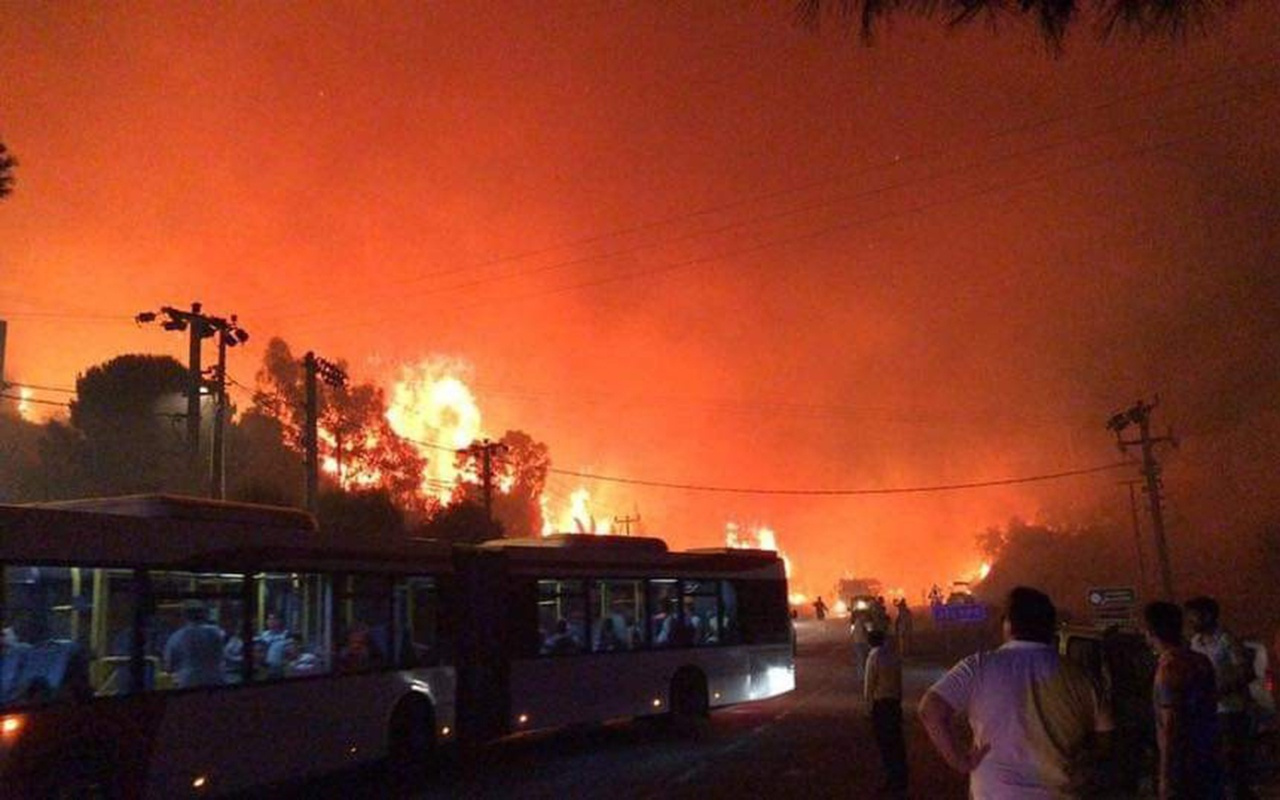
[1034,715]
[882,689]
[1232,673]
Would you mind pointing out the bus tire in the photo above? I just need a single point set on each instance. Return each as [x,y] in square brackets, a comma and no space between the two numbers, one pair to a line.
[690,706]
[411,741]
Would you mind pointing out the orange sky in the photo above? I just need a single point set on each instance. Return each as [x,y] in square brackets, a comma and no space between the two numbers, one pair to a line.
[680,243]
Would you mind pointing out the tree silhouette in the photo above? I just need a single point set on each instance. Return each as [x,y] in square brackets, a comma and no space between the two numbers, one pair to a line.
[125,433]
[7,165]
[520,474]
[1054,18]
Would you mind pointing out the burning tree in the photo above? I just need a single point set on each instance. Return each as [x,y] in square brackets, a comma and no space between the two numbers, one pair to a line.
[358,448]
[520,475]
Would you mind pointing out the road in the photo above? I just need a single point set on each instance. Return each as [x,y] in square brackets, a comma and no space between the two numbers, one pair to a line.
[815,742]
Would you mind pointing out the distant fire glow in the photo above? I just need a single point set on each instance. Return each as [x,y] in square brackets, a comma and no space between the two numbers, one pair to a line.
[430,404]
[579,517]
[756,538]
[24,404]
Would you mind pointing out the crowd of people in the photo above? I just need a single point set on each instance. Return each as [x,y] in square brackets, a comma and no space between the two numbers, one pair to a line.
[1039,725]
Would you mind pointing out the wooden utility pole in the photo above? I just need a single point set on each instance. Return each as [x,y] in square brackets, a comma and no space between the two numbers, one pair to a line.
[485,451]
[1140,414]
[625,523]
[313,367]
[1137,531]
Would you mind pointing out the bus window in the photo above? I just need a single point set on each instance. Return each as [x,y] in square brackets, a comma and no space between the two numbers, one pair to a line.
[194,626]
[729,629]
[763,612]
[562,616]
[617,613]
[664,612]
[292,623]
[418,628]
[49,627]
[363,622]
[702,612]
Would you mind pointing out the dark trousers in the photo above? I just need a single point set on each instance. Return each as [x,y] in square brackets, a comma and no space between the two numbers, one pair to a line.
[886,720]
[1236,733]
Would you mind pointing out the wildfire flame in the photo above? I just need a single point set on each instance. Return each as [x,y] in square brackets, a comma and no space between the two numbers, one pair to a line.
[577,518]
[431,403]
[984,571]
[24,406]
[757,538]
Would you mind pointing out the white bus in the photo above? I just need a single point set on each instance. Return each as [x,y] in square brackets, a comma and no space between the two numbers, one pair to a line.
[166,647]
[580,628]
[169,647]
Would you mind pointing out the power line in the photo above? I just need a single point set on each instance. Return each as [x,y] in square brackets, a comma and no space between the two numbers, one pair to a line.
[38,388]
[34,400]
[945,487]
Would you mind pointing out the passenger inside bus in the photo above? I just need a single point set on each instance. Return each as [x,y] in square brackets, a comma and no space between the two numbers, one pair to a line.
[43,669]
[562,641]
[194,652]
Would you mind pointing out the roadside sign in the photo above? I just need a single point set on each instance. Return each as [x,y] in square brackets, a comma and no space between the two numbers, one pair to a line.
[1112,602]
[960,613]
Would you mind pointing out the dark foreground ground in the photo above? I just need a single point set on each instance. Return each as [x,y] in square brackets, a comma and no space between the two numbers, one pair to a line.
[815,743]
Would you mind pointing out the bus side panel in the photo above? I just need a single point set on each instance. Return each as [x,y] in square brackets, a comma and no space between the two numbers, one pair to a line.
[564,690]
[234,738]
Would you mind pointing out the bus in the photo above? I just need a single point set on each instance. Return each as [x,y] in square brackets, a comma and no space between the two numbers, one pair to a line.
[578,628]
[157,646]
[171,647]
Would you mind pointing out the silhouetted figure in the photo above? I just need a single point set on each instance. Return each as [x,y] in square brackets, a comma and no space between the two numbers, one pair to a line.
[819,608]
[1035,717]
[882,688]
[902,626]
[1232,673]
[1186,711]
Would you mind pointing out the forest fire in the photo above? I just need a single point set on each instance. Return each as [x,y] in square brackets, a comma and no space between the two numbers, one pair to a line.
[579,517]
[759,537]
[433,408]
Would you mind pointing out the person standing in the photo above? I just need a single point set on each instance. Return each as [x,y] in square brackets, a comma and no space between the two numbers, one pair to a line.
[1036,718]
[819,609]
[1232,674]
[194,652]
[902,624]
[858,630]
[882,689]
[1186,712]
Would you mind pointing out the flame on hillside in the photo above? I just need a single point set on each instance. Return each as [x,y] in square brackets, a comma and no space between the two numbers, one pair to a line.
[759,537]
[431,406]
[578,517]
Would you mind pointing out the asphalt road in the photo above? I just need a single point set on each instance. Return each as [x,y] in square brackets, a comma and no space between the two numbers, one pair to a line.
[815,742]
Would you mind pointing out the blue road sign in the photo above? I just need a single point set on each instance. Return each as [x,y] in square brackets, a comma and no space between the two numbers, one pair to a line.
[961,613]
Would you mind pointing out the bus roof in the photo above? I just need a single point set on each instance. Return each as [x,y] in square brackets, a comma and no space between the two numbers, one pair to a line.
[179,507]
[195,533]
[626,554]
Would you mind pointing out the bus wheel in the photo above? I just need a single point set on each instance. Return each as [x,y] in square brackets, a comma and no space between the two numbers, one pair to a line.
[411,741]
[690,707]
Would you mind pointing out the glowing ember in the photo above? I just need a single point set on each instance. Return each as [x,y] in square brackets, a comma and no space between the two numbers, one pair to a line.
[757,538]
[431,405]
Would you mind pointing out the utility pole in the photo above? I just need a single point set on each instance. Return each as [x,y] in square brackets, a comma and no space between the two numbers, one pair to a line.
[485,450]
[625,523]
[200,326]
[1137,531]
[314,366]
[1140,414]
